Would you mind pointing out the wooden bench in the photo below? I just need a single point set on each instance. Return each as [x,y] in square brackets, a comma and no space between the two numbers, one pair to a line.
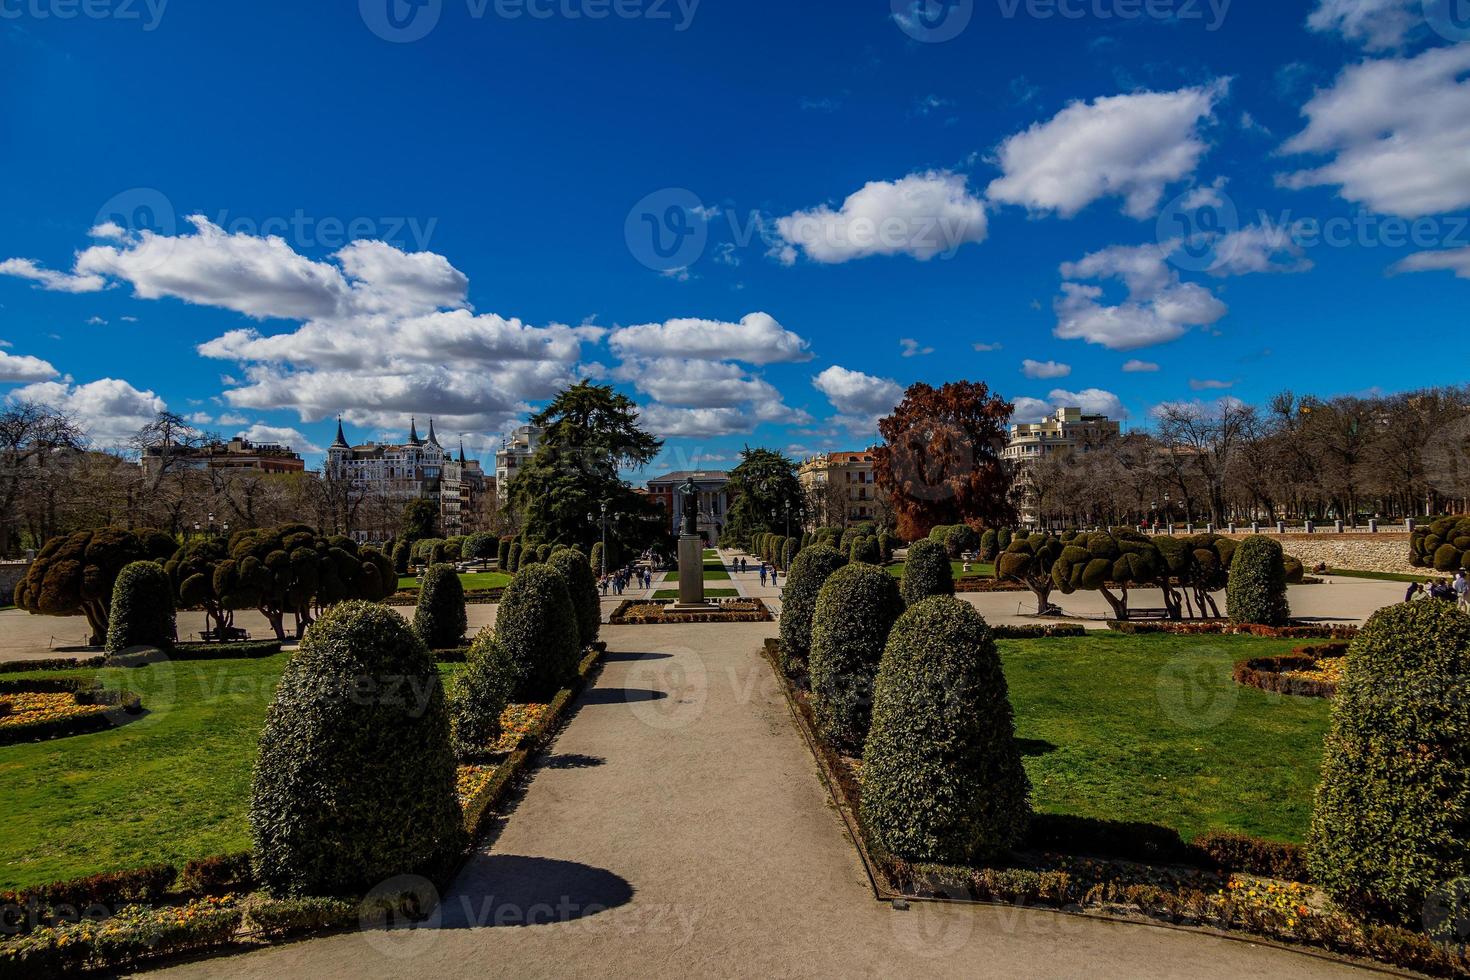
[230,634]
[1148,613]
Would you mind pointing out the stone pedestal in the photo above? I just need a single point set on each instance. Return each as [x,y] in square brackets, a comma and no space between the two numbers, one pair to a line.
[691,572]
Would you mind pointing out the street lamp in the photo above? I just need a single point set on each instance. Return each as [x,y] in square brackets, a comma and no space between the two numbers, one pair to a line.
[786,508]
[604,537]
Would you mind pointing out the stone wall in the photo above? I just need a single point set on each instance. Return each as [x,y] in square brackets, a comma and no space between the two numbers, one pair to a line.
[1386,551]
[11,572]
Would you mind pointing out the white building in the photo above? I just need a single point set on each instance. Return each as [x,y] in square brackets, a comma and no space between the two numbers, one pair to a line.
[514,453]
[1065,432]
[418,468]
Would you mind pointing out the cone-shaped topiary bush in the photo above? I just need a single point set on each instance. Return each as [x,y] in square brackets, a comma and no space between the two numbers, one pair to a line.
[988,546]
[789,552]
[855,610]
[927,572]
[594,558]
[809,570]
[142,608]
[478,695]
[355,781]
[582,586]
[537,626]
[942,775]
[1256,592]
[513,565]
[502,555]
[1391,824]
[865,549]
[440,619]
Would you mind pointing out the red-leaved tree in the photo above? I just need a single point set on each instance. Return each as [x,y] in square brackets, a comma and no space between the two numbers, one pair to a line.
[940,461]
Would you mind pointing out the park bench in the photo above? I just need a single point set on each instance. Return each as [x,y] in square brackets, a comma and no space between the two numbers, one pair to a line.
[1148,612]
[230,634]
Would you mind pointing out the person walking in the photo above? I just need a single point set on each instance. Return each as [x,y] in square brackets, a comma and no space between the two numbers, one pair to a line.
[763,573]
[1462,591]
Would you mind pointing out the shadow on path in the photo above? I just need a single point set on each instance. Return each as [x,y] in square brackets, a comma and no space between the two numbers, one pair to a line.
[573,760]
[620,695]
[612,658]
[497,890]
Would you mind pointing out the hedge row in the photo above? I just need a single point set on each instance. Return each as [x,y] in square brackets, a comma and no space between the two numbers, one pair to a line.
[55,663]
[245,649]
[1222,627]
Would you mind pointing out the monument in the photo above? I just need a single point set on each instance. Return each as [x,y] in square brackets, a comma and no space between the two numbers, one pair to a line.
[691,549]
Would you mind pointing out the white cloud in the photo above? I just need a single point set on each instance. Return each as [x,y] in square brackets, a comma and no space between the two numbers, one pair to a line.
[856,394]
[695,383]
[1135,366]
[693,423]
[1259,248]
[16,368]
[756,339]
[986,348]
[96,321]
[1159,307]
[921,215]
[60,282]
[912,348]
[1375,24]
[199,418]
[110,411]
[1128,146]
[1044,369]
[1030,409]
[1398,130]
[1209,384]
[278,435]
[1092,401]
[1453,260]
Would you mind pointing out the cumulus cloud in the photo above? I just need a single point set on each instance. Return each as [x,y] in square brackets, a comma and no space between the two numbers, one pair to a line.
[1135,366]
[1092,401]
[1398,131]
[704,398]
[280,436]
[1375,24]
[60,282]
[1452,260]
[756,339]
[1259,248]
[921,215]
[1128,146]
[860,399]
[17,368]
[109,410]
[1030,409]
[1159,307]
[1044,369]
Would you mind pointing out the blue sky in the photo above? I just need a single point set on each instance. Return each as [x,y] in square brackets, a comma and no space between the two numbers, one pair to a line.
[262,214]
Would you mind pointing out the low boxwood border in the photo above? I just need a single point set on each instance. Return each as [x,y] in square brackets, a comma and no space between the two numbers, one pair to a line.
[243,649]
[1224,627]
[1272,673]
[900,883]
[1039,631]
[620,615]
[55,663]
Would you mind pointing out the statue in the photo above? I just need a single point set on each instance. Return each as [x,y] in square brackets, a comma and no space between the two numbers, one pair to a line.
[689,505]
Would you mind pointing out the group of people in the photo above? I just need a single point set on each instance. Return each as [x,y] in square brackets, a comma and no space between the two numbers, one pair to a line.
[742,565]
[1456,590]
[615,582]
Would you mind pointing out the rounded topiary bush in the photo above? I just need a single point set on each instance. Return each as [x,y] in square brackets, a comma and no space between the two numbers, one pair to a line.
[1391,824]
[355,781]
[582,586]
[865,549]
[960,539]
[989,547]
[942,774]
[537,626]
[478,695]
[440,618]
[855,610]
[1256,592]
[809,570]
[789,552]
[502,554]
[513,563]
[595,558]
[927,572]
[142,608]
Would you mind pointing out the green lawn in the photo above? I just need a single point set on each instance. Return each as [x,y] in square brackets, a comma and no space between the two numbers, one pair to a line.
[1152,728]
[708,593]
[979,569]
[470,580]
[1146,728]
[713,572]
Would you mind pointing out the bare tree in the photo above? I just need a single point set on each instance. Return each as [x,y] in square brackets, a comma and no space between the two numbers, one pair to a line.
[31,435]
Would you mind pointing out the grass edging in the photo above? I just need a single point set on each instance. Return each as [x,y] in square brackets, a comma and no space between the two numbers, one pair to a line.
[1383,948]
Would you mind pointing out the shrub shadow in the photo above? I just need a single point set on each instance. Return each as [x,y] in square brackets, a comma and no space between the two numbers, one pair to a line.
[573,760]
[620,695]
[498,890]
[628,657]
[1035,746]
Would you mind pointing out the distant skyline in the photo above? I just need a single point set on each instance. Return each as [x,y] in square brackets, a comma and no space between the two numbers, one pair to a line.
[761,221]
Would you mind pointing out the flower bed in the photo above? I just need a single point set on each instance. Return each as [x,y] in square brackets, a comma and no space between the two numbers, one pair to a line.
[1310,671]
[55,708]
[1227,628]
[1221,882]
[635,612]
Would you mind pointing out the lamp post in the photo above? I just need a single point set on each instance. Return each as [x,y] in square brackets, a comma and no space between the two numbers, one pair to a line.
[604,537]
[786,508]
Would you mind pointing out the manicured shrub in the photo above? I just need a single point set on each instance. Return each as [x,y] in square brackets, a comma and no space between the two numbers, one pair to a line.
[865,549]
[927,572]
[582,586]
[942,774]
[1391,825]
[939,532]
[804,581]
[885,546]
[595,558]
[355,781]
[960,539]
[401,553]
[1028,559]
[513,563]
[543,552]
[478,695]
[1256,592]
[788,552]
[75,573]
[1003,538]
[1443,544]
[142,608]
[856,608]
[479,547]
[989,547]
[502,554]
[440,619]
[537,626]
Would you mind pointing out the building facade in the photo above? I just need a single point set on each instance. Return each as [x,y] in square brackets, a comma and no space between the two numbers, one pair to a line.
[513,454]
[713,496]
[237,454]
[1067,431]
[840,488]
[418,468]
